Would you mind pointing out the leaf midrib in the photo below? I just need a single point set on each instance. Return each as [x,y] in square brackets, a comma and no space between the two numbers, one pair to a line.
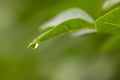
[111,24]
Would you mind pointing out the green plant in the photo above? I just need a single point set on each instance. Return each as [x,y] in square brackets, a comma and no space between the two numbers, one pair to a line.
[88,47]
[76,19]
[79,40]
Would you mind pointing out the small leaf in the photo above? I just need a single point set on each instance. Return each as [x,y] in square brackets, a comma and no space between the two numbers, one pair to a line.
[65,22]
[67,15]
[110,22]
[109,3]
[65,27]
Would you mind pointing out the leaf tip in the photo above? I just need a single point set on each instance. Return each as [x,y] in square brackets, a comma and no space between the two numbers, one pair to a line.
[33,45]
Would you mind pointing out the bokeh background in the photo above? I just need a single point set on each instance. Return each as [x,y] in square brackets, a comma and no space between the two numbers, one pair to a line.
[61,58]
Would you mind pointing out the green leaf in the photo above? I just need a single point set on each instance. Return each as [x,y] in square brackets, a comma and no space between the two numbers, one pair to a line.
[66,15]
[65,22]
[65,27]
[109,4]
[110,22]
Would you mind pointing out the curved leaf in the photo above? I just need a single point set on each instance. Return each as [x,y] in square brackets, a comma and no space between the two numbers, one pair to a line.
[109,3]
[65,27]
[65,22]
[67,15]
[110,22]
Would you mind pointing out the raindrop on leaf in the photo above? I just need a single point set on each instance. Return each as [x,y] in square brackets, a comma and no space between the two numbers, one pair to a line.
[33,45]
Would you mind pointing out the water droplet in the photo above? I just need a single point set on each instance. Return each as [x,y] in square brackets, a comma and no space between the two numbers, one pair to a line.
[36,46]
[33,45]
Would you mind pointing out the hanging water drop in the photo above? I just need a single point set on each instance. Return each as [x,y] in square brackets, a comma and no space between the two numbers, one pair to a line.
[33,45]
[36,45]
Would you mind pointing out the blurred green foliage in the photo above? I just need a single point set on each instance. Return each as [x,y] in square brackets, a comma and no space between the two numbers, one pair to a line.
[62,58]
